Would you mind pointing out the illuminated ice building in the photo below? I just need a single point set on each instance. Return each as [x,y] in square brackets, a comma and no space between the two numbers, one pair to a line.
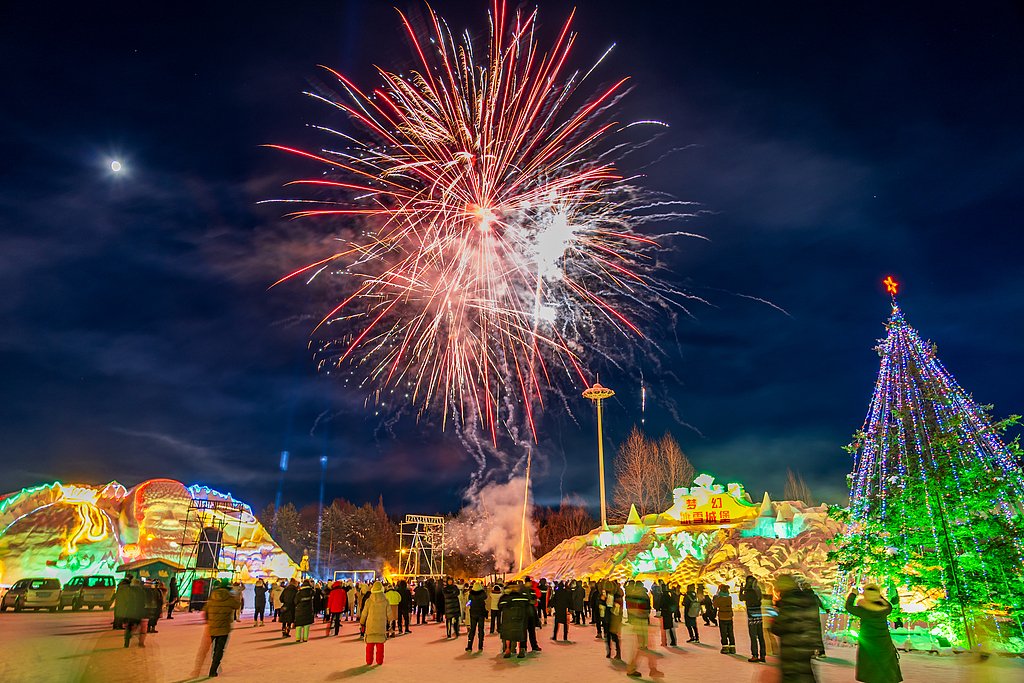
[712,534]
[64,530]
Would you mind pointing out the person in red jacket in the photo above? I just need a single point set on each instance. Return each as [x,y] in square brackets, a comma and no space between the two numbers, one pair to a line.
[337,601]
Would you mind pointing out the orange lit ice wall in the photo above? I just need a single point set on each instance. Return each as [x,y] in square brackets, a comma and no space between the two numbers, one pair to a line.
[63,530]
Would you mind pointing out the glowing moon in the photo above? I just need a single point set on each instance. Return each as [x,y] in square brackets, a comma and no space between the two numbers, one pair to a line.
[115,166]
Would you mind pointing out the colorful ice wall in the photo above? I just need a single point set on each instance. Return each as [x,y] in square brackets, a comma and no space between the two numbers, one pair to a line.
[63,530]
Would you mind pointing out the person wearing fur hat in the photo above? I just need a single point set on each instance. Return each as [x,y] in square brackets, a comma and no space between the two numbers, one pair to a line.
[877,661]
[477,607]
[374,619]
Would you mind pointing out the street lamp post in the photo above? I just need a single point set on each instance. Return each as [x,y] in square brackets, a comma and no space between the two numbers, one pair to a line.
[598,394]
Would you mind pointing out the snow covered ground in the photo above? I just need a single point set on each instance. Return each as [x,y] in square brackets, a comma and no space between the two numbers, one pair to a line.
[81,646]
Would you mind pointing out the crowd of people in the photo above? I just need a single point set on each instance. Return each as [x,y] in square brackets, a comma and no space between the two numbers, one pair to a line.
[782,620]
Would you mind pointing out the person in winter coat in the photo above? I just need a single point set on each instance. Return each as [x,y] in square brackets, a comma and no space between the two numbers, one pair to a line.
[477,607]
[373,618]
[287,615]
[638,611]
[121,601]
[877,661]
[463,602]
[492,604]
[303,611]
[796,626]
[239,592]
[668,617]
[134,611]
[337,602]
[561,602]
[579,600]
[439,602]
[220,610]
[593,597]
[707,603]
[421,598]
[259,603]
[452,608]
[172,596]
[275,599]
[723,606]
[319,600]
[404,607]
[394,599]
[515,612]
[154,604]
[691,610]
[611,611]
[750,595]
[544,603]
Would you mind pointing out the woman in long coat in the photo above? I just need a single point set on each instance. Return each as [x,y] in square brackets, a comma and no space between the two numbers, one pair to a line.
[374,620]
[303,611]
[877,661]
[515,612]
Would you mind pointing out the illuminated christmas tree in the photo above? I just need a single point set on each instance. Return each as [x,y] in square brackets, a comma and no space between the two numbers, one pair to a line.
[936,512]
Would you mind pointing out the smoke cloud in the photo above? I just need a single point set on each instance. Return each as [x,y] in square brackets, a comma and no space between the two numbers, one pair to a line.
[491,524]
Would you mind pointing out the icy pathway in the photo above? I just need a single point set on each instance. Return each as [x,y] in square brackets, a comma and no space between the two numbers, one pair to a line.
[81,647]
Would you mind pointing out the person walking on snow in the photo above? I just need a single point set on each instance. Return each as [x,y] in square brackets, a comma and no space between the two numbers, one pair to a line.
[796,626]
[220,610]
[134,612]
[373,618]
[172,596]
[638,611]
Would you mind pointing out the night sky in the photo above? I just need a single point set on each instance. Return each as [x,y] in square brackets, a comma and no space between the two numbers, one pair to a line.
[827,145]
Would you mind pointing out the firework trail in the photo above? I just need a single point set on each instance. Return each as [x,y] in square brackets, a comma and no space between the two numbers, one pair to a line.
[497,247]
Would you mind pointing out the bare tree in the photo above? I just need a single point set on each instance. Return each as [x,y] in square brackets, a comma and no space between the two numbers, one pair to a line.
[647,472]
[637,477]
[675,468]
[572,518]
[797,488]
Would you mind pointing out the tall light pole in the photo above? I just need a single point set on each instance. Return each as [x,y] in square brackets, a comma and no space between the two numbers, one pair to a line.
[320,517]
[598,394]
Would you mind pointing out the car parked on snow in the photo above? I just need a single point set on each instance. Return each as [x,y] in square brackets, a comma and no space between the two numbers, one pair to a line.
[33,594]
[88,591]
